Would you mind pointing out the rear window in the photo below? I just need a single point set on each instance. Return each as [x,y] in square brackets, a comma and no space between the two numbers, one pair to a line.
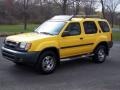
[104,26]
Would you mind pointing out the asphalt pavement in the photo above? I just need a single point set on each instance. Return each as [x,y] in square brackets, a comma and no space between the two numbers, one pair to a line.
[80,74]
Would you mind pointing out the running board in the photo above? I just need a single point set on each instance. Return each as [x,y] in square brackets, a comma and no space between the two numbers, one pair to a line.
[77,57]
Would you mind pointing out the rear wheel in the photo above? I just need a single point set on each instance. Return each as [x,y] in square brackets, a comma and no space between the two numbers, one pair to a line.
[47,62]
[100,54]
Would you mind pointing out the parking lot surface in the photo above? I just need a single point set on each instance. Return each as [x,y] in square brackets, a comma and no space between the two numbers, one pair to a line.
[80,74]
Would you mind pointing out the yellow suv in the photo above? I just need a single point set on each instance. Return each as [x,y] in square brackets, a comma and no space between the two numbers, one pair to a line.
[63,36]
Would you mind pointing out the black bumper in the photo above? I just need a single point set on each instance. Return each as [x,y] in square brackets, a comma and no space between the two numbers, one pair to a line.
[16,56]
[110,44]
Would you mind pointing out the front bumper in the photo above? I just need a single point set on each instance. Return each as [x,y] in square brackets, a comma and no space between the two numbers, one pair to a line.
[17,56]
[110,44]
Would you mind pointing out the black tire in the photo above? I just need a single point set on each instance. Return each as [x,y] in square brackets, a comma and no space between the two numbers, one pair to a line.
[42,67]
[19,63]
[100,54]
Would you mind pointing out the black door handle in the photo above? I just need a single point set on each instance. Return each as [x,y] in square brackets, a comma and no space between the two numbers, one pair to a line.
[81,38]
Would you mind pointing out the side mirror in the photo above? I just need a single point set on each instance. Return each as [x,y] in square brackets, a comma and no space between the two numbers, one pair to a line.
[65,33]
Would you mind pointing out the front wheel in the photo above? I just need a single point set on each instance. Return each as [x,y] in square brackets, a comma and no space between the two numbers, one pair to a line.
[100,54]
[47,62]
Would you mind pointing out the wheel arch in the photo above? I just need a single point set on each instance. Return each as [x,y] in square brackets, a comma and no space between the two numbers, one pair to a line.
[54,49]
[104,43]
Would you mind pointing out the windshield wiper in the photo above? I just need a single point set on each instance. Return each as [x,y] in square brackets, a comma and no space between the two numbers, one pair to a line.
[46,33]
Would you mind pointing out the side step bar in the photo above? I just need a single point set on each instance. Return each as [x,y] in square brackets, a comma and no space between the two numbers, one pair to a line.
[77,57]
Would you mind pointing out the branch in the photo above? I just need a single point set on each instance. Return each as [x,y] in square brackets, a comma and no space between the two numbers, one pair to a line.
[58,3]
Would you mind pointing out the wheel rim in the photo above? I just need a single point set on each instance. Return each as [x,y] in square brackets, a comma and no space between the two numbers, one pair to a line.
[101,54]
[48,63]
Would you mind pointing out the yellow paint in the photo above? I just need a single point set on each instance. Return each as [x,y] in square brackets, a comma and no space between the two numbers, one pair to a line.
[42,41]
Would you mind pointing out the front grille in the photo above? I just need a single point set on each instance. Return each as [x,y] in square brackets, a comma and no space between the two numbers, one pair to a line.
[8,55]
[10,44]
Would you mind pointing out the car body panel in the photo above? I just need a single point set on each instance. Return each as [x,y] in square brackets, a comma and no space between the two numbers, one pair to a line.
[67,46]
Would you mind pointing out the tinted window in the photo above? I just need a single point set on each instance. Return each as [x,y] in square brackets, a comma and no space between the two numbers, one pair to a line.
[90,27]
[104,26]
[51,27]
[73,29]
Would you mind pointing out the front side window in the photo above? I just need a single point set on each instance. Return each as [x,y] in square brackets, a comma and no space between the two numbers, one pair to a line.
[90,27]
[50,27]
[73,29]
[104,26]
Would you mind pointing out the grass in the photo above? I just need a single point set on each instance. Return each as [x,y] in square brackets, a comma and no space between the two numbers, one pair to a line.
[31,27]
[116,36]
[17,28]
[116,26]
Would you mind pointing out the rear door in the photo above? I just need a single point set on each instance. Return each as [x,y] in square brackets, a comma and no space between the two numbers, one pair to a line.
[90,34]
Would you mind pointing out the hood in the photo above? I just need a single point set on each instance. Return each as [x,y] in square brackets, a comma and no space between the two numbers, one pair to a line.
[27,37]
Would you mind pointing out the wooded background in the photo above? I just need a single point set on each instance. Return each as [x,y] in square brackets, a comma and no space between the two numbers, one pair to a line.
[37,11]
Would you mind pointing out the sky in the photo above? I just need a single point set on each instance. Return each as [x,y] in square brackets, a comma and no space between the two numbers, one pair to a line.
[100,8]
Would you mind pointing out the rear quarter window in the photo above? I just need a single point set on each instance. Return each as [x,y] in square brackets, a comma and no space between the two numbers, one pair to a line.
[104,26]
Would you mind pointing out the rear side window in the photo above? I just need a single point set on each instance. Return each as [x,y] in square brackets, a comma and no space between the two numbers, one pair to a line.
[104,26]
[90,27]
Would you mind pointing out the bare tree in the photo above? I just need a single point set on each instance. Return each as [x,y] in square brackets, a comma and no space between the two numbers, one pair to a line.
[111,6]
[103,8]
[89,6]
[62,4]
[37,11]
[76,5]
[25,13]
[24,4]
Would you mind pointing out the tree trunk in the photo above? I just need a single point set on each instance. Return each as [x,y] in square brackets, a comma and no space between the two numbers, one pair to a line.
[64,7]
[25,14]
[112,19]
[25,21]
[77,9]
[103,8]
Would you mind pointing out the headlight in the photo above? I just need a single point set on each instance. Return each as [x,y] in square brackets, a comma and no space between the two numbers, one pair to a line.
[25,46]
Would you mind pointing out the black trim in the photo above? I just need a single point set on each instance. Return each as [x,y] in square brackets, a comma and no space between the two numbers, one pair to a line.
[77,45]
[79,55]
[110,44]
[17,56]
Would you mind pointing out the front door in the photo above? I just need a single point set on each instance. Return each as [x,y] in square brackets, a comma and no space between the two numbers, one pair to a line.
[70,43]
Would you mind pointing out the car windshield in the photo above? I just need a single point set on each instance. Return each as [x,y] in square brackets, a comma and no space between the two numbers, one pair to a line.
[50,27]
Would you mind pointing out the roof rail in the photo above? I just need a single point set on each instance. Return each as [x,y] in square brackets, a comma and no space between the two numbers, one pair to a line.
[62,17]
[69,17]
[86,16]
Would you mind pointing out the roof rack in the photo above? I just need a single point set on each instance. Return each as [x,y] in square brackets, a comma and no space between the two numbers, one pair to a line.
[69,17]
[62,17]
